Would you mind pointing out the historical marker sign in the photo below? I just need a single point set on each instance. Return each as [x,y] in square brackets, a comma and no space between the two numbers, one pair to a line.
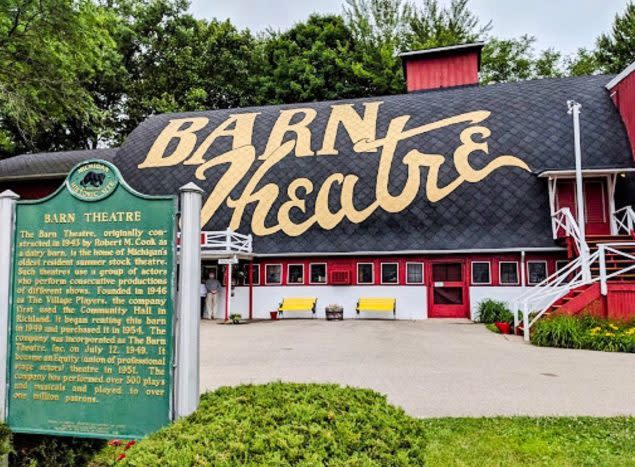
[91,325]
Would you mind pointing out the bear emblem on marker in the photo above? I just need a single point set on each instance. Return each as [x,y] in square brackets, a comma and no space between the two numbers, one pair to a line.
[93,178]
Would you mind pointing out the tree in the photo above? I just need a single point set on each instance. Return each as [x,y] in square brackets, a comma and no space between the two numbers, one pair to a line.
[50,53]
[506,60]
[432,26]
[616,50]
[314,60]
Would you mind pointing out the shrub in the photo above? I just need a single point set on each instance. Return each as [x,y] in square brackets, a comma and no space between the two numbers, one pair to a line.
[558,331]
[286,424]
[584,332]
[59,451]
[492,311]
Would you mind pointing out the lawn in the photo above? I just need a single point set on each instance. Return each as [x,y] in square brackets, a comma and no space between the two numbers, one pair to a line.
[560,441]
[322,424]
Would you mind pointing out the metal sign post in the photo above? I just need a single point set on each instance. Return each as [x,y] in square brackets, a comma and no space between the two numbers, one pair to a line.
[187,370]
[7,214]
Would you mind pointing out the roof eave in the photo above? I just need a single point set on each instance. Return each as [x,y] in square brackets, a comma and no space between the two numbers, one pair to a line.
[619,78]
[571,172]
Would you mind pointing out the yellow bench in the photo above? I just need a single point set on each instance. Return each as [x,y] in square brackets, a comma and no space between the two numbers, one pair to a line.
[377,304]
[297,304]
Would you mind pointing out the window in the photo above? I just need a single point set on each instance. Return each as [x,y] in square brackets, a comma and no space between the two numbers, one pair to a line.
[537,271]
[448,296]
[508,272]
[447,272]
[273,274]
[365,273]
[255,275]
[481,273]
[389,273]
[295,274]
[414,273]
[318,273]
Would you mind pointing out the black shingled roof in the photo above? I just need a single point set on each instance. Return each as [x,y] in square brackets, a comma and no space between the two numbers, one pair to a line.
[49,164]
[507,210]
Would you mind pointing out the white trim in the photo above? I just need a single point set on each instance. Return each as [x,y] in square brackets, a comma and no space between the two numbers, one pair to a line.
[489,272]
[372,273]
[625,72]
[326,274]
[448,48]
[529,263]
[500,281]
[289,267]
[414,252]
[381,273]
[570,173]
[423,279]
[267,275]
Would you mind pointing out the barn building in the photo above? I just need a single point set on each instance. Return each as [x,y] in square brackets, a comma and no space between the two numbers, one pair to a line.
[439,198]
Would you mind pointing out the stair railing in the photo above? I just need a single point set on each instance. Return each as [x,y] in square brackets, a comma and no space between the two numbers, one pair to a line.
[625,220]
[542,296]
[613,248]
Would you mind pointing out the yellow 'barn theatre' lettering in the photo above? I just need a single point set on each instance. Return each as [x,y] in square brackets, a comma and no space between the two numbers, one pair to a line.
[361,130]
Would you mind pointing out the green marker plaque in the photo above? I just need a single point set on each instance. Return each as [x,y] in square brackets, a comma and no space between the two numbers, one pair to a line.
[91,325]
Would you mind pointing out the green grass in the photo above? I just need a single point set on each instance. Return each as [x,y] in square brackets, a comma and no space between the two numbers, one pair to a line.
[318,424]
[550,441]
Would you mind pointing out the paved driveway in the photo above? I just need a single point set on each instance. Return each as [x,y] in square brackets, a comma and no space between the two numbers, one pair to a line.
[430,368]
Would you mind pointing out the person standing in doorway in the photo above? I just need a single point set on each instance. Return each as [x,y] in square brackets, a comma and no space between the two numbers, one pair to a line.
[203,293]
[213,291]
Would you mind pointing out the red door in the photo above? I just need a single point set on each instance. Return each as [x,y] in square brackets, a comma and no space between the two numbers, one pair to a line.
[448,292]
[596,207]
[595,203]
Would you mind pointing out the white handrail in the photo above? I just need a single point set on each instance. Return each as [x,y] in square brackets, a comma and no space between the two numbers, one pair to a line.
[572,276]
[625,220]
[225,241]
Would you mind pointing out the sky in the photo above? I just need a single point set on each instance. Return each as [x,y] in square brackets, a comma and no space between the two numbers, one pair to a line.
[564,25]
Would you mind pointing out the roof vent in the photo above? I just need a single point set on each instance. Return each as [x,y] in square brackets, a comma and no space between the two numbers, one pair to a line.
[442,67]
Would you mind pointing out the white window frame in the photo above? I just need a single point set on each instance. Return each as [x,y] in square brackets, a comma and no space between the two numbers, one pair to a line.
[289,267]
[381,273]
[537,262]
[418,263]
[326,273]
[372,274]
[489,268]
[500,273]
[267,275]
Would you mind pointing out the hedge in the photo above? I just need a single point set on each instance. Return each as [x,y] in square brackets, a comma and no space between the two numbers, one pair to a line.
[284,424]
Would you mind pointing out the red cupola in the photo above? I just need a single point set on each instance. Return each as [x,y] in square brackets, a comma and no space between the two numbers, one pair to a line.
[442,67]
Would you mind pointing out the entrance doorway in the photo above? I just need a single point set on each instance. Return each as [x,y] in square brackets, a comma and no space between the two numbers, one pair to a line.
[448,291]
[596,203]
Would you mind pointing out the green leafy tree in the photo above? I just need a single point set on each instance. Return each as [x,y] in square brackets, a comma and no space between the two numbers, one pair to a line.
[314,60]
[506,60]
[616,50]
[433,26]
[50,53]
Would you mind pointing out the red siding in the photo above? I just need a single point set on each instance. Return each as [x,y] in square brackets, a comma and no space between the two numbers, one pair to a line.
[623,95]
[32,189]
[441,72]
[349,264]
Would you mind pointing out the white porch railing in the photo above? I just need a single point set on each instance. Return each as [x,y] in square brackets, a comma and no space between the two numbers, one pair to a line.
[224,241]
[540,298]
[624,220]
[613,248]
